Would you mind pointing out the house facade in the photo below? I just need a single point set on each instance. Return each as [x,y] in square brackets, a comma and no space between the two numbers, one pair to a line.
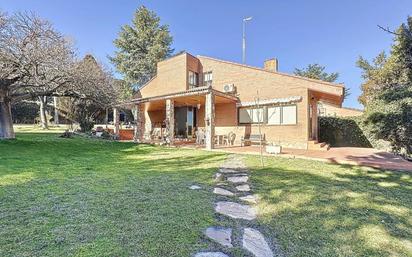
[191,94]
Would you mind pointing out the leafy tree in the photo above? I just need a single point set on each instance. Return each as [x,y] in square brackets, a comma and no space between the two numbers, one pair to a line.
[141,46]
[316,71]
[387,92]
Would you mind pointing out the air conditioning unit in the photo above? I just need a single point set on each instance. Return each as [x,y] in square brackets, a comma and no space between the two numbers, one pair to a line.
[229,88]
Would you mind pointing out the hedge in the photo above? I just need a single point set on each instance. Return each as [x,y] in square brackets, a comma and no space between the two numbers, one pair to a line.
[339,132]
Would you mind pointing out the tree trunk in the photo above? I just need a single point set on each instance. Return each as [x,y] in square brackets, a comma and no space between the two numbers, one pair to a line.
[56,112]
[6,122]
[43,115]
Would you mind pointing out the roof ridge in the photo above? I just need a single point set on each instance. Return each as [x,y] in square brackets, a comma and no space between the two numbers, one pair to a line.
[341,85]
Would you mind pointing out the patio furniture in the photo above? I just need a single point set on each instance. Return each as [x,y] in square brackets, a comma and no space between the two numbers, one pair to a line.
[218,139]
[200,137]
[252,138]
[229,138]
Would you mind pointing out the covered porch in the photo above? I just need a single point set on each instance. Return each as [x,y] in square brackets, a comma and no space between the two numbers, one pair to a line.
[177,119]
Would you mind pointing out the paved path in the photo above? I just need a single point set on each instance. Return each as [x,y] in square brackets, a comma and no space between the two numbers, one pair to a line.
[232,183]
[368,157]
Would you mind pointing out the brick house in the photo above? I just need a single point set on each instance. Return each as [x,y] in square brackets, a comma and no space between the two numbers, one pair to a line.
[200,93]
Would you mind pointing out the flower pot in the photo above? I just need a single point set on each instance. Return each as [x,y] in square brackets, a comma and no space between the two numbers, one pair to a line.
[274,149]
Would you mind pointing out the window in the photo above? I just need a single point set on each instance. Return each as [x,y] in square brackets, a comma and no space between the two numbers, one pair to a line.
[274,115]
[251,115]
[193,78]
[207,78]
[245,115]
[271,115]
[289,115]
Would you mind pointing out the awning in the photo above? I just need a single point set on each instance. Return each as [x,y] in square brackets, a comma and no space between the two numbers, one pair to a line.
[286,100]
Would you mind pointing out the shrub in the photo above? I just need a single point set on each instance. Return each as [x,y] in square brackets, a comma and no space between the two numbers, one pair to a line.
[66,134]
[338,131]
[86,125]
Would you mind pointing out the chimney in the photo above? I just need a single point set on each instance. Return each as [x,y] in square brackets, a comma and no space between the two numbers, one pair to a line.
[271,65]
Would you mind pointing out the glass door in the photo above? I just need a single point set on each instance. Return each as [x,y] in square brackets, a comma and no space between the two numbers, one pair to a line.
[185,121]
[191,121]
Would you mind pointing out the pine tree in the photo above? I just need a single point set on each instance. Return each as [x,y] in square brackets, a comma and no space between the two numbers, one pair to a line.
[316,71]
[140,46]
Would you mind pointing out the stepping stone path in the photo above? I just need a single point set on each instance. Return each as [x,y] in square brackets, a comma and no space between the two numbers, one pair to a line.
[221,191]
[221,235]
[234,172]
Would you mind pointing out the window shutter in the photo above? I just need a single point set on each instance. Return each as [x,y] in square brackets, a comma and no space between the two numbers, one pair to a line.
[289,115]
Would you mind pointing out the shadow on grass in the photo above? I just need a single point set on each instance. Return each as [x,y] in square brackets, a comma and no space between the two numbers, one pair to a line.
[65,197]
[318,209]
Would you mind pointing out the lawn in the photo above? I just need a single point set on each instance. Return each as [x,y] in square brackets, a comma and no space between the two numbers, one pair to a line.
[83,197]
[319,209]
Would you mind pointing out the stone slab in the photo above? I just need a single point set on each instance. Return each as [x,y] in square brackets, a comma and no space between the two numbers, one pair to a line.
[255,242]
[221,191]
[219,176]
[195,187]
[236,210]
[243,188]
[249,198]
[238,179]
[222,236]
[211,254]
[228,171]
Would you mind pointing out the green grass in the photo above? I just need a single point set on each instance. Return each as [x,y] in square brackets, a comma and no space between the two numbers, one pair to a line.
[319,209]
[83,197]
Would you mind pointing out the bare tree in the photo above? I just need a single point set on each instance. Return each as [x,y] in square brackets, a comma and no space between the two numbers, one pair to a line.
[260,114]
[37,62]
[99,91]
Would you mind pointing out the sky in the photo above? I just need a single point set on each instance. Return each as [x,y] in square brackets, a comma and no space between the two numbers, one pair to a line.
[296,32]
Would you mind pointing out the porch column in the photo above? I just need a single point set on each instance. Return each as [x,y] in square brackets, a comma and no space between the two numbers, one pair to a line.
[210,121]
[116,120]
[170,120]
[314,106]
[138,114]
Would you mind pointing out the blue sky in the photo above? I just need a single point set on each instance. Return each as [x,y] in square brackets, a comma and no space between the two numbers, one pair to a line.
[331,33]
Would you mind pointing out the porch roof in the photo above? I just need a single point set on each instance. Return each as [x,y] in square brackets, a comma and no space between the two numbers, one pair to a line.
[197,91]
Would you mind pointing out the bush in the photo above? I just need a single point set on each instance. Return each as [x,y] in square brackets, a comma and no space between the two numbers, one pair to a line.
[106,135]
[86,126]
[347,131]
[66,134]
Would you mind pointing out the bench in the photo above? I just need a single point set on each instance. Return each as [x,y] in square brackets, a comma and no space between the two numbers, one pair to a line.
[252,139]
